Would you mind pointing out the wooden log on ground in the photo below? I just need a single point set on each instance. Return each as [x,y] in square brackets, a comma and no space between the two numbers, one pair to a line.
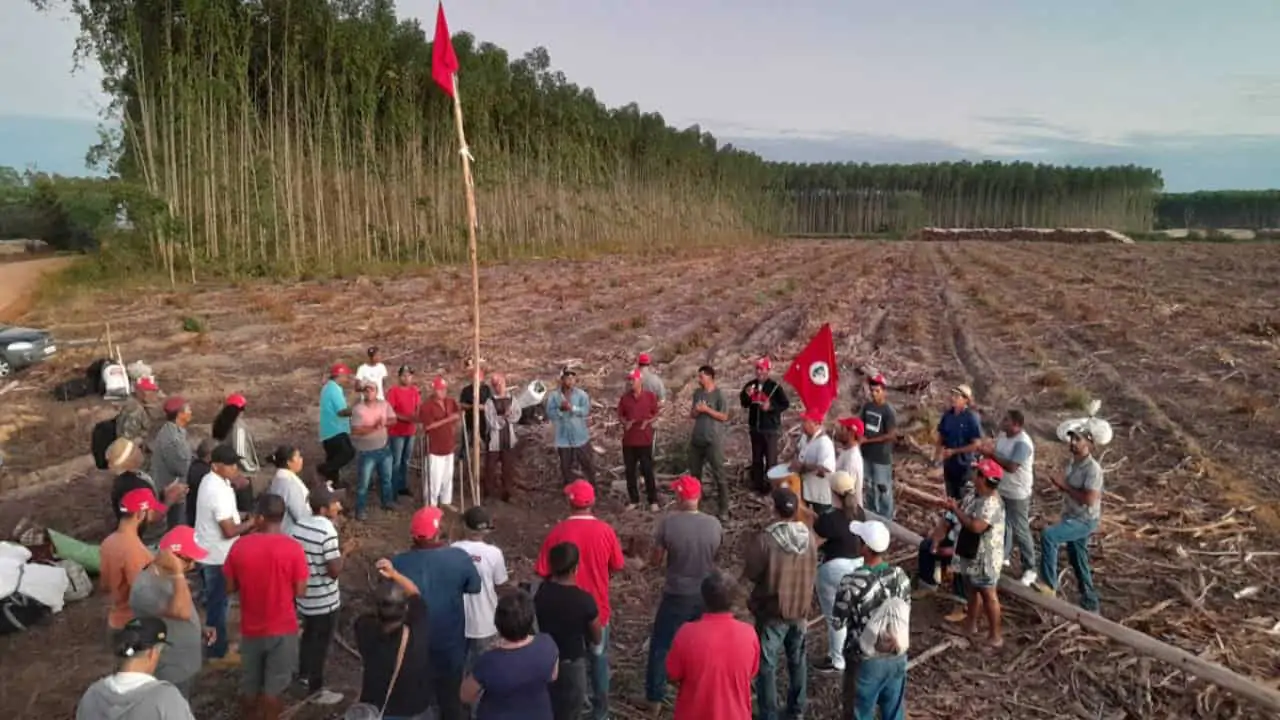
[1246,687]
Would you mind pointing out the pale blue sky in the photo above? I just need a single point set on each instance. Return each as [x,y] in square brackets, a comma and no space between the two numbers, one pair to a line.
[1188,85]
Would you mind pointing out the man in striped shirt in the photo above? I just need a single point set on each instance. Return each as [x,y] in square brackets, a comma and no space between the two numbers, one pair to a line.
[318,608]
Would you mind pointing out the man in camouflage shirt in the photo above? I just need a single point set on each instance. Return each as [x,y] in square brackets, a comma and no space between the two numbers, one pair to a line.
[879,680]
[141,415]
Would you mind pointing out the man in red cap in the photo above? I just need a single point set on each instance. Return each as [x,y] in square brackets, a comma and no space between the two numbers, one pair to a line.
[141,415]
[335,424]
[649,378]
[443,574]
[638,410]
[124,555]
[440,417]
[847,436]
[765,401]
[171,455]
[161,591]
[688,541]
[600,556]
[816,462]
[880,422]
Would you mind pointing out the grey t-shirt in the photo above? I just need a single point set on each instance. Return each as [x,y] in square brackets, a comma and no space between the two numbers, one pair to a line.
[707,430]
[879,420]
[180,661]
[1083,474]
[691,540]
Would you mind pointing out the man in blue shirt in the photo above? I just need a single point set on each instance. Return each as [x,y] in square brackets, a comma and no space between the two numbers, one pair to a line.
[443,575]
[335,424]
[959,431]
[567,408]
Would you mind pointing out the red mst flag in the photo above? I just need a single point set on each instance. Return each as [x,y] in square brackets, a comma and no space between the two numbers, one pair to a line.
[813,373]
[444,61]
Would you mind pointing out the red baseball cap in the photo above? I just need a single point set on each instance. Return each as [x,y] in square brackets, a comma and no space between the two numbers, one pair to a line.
[147,384]
[877,379]
[990,468]
[174,404]
[237,400]
[581,493]
[855,424]
[634,375]
[140,500]
[687,487]
[764,364]
[426,523]
[339,369]
[438,383]
[182,541]
[644,359]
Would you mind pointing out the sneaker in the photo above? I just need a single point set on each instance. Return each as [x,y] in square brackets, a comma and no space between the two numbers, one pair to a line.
[226,662]
[1028,578]
[629,506]
[653,507]
[327,697]
[1008,563]
[362,515]
[824,665]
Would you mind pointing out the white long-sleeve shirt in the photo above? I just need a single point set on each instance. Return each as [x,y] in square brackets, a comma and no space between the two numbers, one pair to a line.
[820,451]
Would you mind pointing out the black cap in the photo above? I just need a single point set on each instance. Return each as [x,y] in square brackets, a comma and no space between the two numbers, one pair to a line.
[406,370]
[568,372]
[1082,432]
[785,502]
[477,519]
[224,455]
[322,496]
[140,635]
[373,350]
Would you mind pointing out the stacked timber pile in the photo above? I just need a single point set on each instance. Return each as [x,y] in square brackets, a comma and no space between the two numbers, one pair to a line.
[1061,235]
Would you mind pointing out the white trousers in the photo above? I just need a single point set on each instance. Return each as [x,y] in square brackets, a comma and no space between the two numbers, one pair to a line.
[439,481]
[830,573]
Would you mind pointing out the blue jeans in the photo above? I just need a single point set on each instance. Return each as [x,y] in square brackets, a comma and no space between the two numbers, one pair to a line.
[877,488]
[215,607]
[598,670]
[781,636]
[879,682]
[368,461]
[673,611]
[830,573]
[1075,535]
[401,454]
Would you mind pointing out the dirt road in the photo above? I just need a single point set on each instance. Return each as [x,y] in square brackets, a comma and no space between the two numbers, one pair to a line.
[18,281]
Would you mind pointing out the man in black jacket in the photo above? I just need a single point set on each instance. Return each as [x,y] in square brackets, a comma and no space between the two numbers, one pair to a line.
[765,401]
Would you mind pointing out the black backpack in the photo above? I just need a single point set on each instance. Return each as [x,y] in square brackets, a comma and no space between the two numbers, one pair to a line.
[104,433]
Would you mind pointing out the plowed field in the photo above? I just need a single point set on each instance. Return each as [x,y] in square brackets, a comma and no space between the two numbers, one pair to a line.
[1181,342]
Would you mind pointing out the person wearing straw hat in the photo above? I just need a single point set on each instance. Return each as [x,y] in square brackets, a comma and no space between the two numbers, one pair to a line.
[959,435]
[133,692]
[765,401]
[1081,487]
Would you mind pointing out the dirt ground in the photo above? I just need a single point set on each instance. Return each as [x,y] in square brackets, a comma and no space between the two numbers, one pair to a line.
[18,278]
[1181,342]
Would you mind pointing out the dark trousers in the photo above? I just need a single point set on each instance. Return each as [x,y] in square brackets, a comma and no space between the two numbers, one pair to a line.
[764,455]
[499,473]
[569,691]
[710,456]
[673,612]
[928,560]
[580,457]
[313,649]
[448,685]
[338,452]
[638,461]
[955,477]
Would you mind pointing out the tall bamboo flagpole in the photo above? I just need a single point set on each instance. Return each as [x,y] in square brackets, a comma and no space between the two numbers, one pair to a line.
[444,70]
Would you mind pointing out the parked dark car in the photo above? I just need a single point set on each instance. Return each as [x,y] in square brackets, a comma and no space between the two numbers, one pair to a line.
[20,347]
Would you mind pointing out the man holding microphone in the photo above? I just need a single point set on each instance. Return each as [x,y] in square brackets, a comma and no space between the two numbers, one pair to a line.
[765,401]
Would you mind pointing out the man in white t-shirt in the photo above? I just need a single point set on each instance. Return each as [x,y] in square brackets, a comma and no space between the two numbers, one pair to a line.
[374,371]
[816,462]
[492,567]
[1016,453]
[217,526]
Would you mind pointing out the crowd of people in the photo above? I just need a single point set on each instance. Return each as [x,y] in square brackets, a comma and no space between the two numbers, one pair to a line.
[452,636]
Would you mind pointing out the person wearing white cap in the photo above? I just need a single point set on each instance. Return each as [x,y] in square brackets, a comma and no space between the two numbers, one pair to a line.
[959,434]
[1081,487]
[873,604]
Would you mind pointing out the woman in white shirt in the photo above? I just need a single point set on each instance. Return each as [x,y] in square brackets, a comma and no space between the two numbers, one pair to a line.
[374,371]
[288,485]
[848,434]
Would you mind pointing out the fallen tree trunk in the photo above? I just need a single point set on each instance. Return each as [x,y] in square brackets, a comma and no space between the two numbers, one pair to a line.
[1220,675]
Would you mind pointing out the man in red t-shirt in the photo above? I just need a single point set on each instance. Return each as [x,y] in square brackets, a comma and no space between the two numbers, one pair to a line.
[404,400]
[269,570]
[600,554]
[638,409]
[714,659]
[440,417]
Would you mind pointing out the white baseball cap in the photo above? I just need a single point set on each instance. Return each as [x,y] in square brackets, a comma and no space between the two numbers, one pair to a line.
[873,533]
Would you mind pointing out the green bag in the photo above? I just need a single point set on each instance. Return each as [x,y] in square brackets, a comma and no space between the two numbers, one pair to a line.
[68,548]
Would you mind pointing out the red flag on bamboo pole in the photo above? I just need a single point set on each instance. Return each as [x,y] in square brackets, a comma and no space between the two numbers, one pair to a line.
[444,61]
[813,373]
